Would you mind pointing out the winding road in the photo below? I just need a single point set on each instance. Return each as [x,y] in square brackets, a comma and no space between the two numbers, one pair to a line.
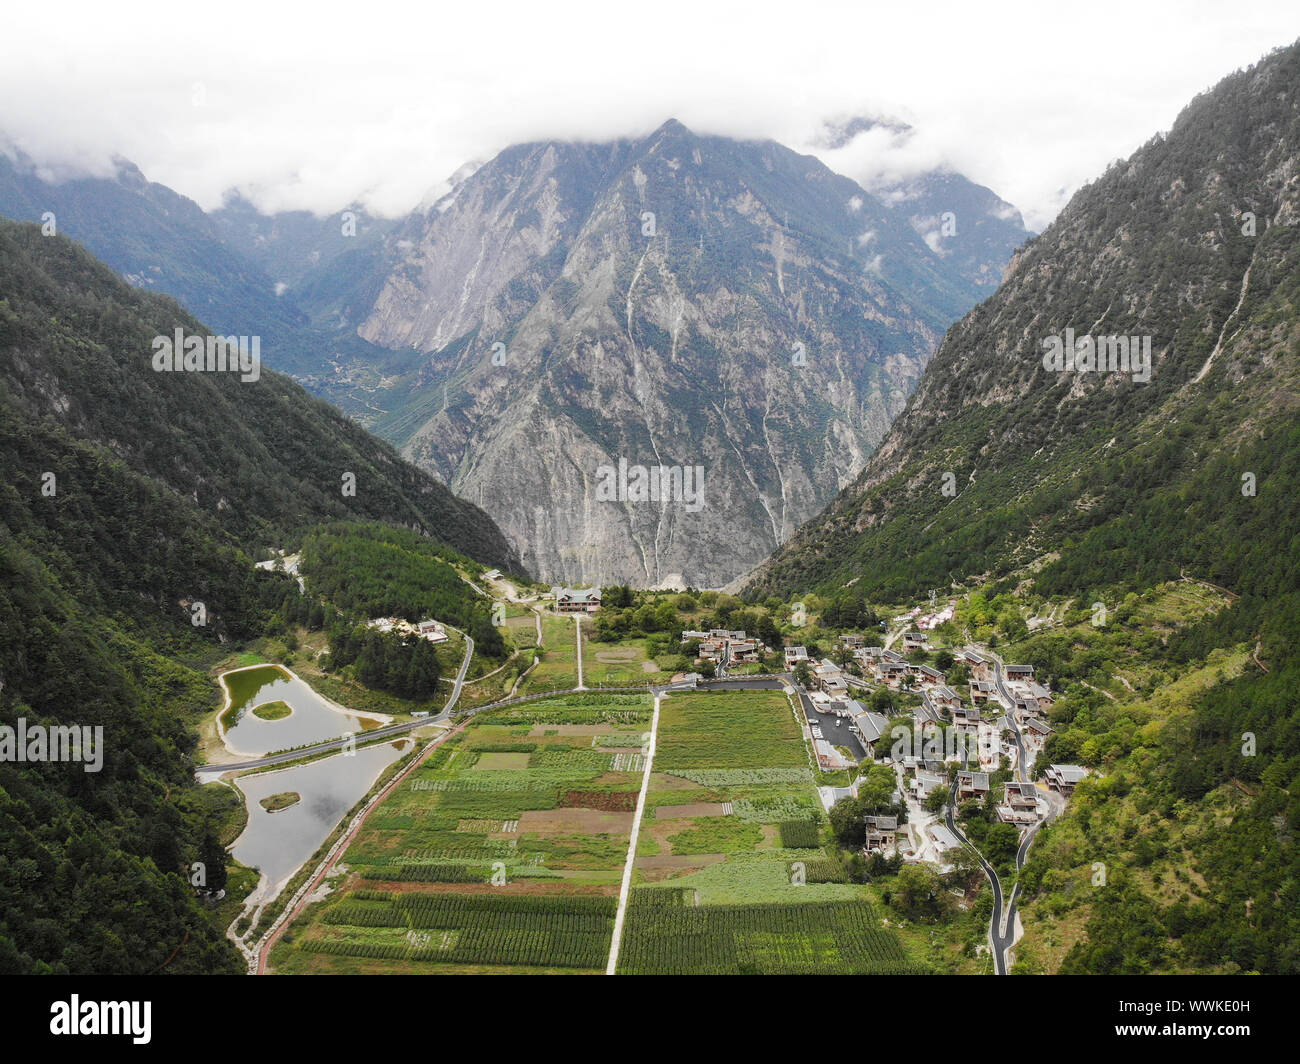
[1002,929]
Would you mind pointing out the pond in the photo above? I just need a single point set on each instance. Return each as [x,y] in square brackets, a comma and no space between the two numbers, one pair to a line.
[268,708]
[278,842]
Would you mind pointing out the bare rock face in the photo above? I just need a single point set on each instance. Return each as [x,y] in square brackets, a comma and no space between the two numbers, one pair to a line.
[729,318]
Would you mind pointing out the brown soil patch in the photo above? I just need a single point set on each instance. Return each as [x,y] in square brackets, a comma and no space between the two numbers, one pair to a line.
[670,812]
[695,860]
[658,869]
[574,822]
[618,802]
[619,778]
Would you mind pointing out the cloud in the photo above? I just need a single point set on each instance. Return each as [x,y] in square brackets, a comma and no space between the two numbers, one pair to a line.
[320,107]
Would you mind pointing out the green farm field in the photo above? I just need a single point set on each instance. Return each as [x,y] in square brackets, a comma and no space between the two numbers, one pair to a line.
[731,875]
[502,852]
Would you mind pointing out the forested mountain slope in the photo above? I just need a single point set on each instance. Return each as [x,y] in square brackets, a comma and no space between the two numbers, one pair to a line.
[129,497]
[1088,485]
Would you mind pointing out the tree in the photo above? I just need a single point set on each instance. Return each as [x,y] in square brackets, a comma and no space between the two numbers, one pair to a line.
[918,892]
[1000,844]
[937,799]
[213,856]
[847,823]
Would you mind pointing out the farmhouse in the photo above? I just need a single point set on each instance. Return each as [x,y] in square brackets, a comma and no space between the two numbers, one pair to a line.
[1019,803]
[926,676]
[881,832]
[1027,708]
[925,782]
[869,726]
[828,758]
[829,678]
[1063,778]
[927,712]
[972,785]
[892,674]
[981,667]
[577,599]
[915,640]
[945,697]
[793,656]
[432,631]
[980,691]
[943,839]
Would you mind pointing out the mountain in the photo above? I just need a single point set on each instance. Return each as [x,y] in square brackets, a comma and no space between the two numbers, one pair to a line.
[677,301]
[761,324]
[1154,248]
[968,225]
[154,237]
[1012,469]
[128,497]
[315,262]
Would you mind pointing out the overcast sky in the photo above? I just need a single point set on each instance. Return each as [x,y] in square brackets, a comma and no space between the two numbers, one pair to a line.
[316,105]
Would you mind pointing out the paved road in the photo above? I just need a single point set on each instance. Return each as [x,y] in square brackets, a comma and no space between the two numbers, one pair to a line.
[1010,704]
[1002,932]
[998,941]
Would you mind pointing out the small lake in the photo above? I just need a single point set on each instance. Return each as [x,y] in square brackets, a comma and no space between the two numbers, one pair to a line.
[310,718]
[278,843]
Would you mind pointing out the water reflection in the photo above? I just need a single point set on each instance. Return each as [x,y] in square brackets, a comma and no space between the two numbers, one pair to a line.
[278,843]
[311,719]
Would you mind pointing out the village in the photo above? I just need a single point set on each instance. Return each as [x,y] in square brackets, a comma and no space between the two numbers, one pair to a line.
[997,727]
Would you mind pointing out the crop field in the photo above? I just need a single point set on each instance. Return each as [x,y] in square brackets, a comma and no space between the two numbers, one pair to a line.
[503,851]
[667,935]
[729,730]
[732,875]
